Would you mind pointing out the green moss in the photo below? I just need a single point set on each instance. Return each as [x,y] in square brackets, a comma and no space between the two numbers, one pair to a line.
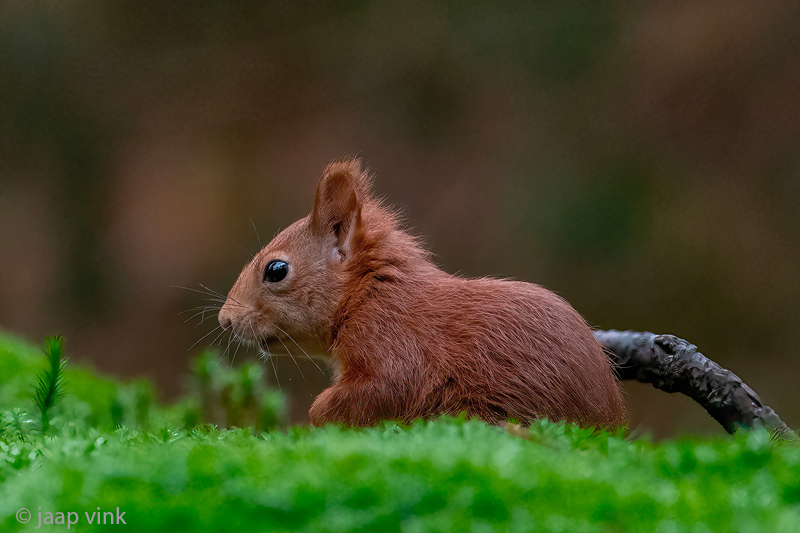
[443,475]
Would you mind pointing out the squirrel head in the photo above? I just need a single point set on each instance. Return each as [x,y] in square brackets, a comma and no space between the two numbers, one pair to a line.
[289,292]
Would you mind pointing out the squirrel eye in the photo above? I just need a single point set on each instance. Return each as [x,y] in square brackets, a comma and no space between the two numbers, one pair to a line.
[276,270]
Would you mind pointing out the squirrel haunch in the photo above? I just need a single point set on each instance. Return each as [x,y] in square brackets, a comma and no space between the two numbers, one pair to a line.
[407,339]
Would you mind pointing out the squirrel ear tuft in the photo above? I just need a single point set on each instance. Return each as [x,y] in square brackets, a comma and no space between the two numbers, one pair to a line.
[337,206]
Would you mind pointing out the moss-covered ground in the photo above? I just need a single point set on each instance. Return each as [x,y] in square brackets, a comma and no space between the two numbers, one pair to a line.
[110,449]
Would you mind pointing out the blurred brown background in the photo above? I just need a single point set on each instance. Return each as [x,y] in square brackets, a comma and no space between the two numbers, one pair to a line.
[640,158]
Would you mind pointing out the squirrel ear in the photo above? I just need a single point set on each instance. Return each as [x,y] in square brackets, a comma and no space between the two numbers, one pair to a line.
[337,207]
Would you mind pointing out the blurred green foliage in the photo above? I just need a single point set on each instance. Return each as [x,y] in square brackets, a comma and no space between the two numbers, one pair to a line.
[232,397]
[217,394]
[444,475]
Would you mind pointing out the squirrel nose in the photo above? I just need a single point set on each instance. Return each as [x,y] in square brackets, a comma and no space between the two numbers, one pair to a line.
[224,317]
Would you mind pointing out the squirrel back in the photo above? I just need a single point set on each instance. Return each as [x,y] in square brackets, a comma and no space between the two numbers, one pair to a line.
[408,340]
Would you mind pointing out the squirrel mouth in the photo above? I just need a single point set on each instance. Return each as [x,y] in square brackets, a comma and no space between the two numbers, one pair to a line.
[264,342]
[267,344]
[271,344]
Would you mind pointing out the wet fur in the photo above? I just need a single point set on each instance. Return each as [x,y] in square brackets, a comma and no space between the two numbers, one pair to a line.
[409,340]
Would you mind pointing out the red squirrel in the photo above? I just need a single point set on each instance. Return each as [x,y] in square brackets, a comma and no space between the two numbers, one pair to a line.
[408,340]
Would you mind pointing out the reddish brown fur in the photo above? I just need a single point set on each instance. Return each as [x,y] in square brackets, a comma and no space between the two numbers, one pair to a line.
[409,340]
